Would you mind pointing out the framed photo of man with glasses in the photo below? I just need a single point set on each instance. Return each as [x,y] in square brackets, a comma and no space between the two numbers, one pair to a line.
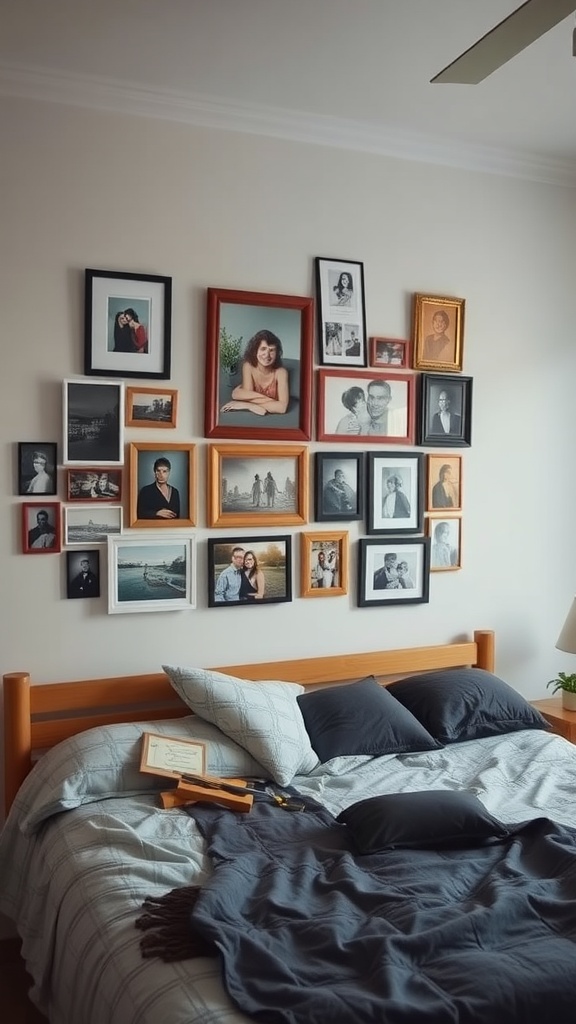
[366,404]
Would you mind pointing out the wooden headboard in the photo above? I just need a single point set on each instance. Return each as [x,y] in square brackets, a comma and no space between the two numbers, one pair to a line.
[37,717]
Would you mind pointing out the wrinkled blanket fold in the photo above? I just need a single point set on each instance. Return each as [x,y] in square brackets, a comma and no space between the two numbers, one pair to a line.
[311,932]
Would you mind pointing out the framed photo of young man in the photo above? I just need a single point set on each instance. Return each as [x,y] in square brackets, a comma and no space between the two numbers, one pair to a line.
[393,571]
[249,571]
[324,564]
[366,403]
[395,492]
[82,574]
[339,486]
[162,485]
[257,485]
[258,366]
[438,330]
[41,527]
[445,411]
[341,312]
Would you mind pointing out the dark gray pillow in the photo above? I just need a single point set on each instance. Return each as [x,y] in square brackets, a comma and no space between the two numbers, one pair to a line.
[360,718]
[465,704]
[434,819]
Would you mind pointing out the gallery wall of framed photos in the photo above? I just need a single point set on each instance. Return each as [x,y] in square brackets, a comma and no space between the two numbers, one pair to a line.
[125,512]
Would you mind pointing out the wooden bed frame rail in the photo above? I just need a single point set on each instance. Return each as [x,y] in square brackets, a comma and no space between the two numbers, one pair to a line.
[37,717]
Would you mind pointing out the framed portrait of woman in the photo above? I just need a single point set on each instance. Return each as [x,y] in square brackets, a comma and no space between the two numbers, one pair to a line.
[395,492]
[438,328]
[341,312]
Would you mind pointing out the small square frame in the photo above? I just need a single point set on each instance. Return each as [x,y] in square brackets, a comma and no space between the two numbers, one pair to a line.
[438,349]
[445,555]
[274,557]
[138,569]
[93,428]
[444,485]
[390,353]
[151,407]
[34,540]
[395,492]
[182,477]
[459,392]
[96,483]
[139,347]
[337,420]
[279,497]
[91,524]
[374,552]
[331,579]
[341,312]
[77,585]
[44,480]
[342,500]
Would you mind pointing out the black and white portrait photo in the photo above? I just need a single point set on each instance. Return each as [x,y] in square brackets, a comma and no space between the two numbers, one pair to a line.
[445,410]
[339,487]
[395,492]
[82,574]
[37,467]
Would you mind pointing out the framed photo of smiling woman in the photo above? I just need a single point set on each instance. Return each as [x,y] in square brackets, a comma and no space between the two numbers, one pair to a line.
[366,404]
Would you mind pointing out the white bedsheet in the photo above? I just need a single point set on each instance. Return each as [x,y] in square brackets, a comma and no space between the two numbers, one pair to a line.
[75,889]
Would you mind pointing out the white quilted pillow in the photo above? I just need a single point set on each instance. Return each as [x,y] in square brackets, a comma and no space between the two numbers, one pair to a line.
[264,718]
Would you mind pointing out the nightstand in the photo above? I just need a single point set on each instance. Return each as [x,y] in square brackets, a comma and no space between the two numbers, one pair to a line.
[563,722]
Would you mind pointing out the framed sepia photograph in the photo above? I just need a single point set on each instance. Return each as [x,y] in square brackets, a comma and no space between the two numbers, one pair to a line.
[393,571]
[37,467]
[339,486]
[257,485]
[366,403]
[395,492]
[438,331]
[151,575]
[445,411]
[93,423]
[91,524]
[445,534]
[249,571]
[95,484]
[162,485]
[341,312]
[127,324]
[390,352]
[82,574]
[258,366]
[41,527]
[151,407]
[324,564]
[444,488]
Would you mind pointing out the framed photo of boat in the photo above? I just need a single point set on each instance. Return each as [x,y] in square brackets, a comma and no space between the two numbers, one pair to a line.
[151,575]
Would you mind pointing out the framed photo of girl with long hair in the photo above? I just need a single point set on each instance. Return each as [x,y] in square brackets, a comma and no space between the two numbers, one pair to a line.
[341,312]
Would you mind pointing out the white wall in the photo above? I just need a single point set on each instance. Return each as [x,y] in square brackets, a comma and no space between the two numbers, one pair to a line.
[83,189]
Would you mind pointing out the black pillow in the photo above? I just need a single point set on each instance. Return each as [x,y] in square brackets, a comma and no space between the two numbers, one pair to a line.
[465,704]
[360,718]
[434,819]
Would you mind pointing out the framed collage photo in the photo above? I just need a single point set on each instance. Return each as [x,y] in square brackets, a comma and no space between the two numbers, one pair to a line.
[445,534]
[445,411]
[341,312]
[151,407]
[258,366]
[393,571]
[438,331]
[366,403]
[82,574]
[390,352]
[95,484]
[324,564]
[127,324]
[444,488]
[249,571]
[91,524]
[395,492]
[162,485]
[257,485]
[37,462]
[339,486]
[93,423]
[151,575]
[41,527]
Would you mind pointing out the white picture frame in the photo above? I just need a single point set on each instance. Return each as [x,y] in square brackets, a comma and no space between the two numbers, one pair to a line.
[144,574]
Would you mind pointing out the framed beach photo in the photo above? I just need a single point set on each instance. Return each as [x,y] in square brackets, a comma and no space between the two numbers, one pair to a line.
[151,575]
[93,423]
[257,485]
[339,486]
[41,527]
[438,332]
[366,403]
[95,484]
[151,407]
[258,366]
[37,467]
[341,312]
[445,534]
[324,564]
[445,411]
[162,485]
[393,571]
[91,524]
[390,352]
[249,571]
[127,324]
[82,574]
[395,492]
[444,489]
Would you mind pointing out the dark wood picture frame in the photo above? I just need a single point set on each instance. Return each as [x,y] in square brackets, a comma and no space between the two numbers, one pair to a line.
[273,555]
[438,331]
[82,574]
[146,509]
[127,324]
[379,586]
[348,400]
[390,353]
[37,467]
[95,483]
[458,401]
[339,483]
[341,309]
[41,527]
[444,487]
[240,320]
[395,492]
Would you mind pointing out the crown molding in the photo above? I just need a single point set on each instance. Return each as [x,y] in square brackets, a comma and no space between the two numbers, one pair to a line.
[119,97]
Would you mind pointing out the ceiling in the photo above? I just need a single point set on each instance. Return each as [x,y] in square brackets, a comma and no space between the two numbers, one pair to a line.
[340,72]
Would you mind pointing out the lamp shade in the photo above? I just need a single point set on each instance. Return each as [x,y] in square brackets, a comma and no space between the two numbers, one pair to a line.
[567,639]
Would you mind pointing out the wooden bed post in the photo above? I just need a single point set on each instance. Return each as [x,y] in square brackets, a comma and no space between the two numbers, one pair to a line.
[17,741]
[484,640]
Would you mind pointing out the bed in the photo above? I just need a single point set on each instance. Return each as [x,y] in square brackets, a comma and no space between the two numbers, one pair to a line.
[87,845]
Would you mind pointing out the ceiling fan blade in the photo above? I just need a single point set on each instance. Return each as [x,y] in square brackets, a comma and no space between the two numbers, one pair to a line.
[526,24]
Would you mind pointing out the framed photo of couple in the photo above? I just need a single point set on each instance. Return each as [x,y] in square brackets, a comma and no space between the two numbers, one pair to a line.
[366,403]
[324,564]
[393,571]
[341,312]
[257,485]
[249,571]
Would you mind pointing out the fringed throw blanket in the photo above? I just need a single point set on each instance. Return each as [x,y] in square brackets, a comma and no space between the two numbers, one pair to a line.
[311,932]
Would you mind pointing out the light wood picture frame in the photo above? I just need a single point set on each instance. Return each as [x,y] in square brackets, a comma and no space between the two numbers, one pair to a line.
[257,485]
[151,407]
[163,493]
[445,533]
[438,332]
[444,483]
[324,564]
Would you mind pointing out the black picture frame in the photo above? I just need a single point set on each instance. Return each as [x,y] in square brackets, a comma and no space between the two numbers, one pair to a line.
[37,467]
[341,312]
[373,555]
[82,580]
[334,501]
[137,347]
[459,392]
[395,492]
[274,557]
